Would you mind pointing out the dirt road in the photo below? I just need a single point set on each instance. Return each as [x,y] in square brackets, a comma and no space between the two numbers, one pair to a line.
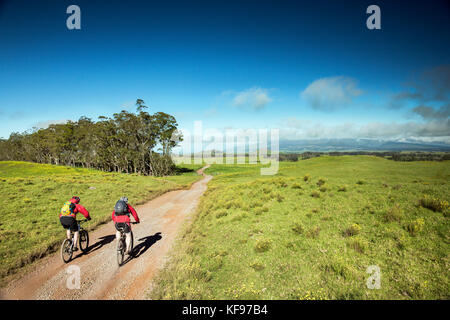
[100,276]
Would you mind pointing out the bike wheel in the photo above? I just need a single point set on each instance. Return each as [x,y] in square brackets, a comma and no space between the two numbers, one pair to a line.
[120,251]
[84,241]
[132,243]
[66,250]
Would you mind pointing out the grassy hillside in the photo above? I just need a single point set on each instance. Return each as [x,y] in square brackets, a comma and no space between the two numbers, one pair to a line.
[32,195]
[311,232]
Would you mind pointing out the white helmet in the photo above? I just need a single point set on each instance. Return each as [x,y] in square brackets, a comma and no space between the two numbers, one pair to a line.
[124,199]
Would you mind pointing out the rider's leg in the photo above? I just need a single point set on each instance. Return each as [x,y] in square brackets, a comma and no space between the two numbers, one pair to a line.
[68,233]
[128,241]
[75,238]
[117,235]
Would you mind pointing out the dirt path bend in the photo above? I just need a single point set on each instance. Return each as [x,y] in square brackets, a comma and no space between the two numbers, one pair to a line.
[100,276]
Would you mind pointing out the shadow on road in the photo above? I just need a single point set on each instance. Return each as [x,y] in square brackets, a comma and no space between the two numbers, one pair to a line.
[145,244]
[99,244]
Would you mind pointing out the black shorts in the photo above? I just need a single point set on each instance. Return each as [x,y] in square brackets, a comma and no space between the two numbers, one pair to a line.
[69,223]
[123,226]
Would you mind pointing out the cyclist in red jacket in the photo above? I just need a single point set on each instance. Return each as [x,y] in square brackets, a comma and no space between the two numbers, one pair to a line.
[122,220]
[68,220]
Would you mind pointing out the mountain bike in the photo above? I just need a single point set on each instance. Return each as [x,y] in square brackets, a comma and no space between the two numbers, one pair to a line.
[67,245]
[122,246]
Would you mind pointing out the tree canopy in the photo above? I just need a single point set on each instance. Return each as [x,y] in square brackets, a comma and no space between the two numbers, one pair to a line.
[128,142]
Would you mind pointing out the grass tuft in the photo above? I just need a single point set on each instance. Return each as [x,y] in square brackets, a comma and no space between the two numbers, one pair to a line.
[315,194]
[433,203]
[394,214]
[297,227]
[353,230]
[415,227]
[263,245]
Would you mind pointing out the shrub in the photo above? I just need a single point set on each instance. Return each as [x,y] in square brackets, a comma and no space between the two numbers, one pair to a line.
[360,182]
[416,226]
[297,227]
[263,245]
[255,204]
[261,210]
[315,194]
[357,244]
[342,188]
[258,266]
[368,208]
[280,182]
[238,203]
[323,189]
[393,214]
[296,186]
[401,242]
[313,233]
[306,177]
[221,213]
[433,203]
[353,230]
[321,182]
[279,197]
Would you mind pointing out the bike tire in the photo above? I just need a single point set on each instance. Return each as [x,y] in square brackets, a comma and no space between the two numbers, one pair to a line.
[66,252]
[132,243]
[84,241]
[120,252]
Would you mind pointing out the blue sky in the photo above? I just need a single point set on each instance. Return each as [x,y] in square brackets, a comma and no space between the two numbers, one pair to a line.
[310,68]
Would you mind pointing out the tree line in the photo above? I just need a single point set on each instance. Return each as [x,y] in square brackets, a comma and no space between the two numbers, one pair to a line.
[130,142]
[391,155]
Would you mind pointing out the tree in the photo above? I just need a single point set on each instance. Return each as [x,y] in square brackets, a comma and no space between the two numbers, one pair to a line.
[127,142]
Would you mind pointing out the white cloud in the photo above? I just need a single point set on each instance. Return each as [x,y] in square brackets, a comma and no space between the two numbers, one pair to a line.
[292,129]
[256,98]
[328,94]
[46,124]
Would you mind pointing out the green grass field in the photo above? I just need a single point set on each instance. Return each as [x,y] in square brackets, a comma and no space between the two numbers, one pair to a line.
[311,232]
[32,195]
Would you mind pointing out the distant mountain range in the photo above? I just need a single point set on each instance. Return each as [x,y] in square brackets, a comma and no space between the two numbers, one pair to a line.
[327,145]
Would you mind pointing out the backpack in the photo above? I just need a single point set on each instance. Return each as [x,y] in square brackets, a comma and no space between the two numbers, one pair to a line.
[121,208]
[68,208]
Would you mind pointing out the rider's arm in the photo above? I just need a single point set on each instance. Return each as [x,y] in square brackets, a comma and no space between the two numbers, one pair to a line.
[113,216]
[134,213]
[83,211]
